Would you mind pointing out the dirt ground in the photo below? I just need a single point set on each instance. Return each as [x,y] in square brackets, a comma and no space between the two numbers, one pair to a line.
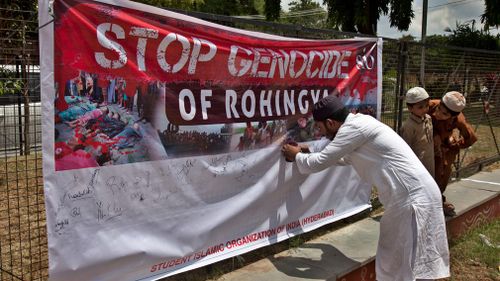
[469,270]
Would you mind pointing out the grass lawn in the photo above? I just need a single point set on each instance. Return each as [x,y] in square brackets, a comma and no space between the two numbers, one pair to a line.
[23,235]
[472,259]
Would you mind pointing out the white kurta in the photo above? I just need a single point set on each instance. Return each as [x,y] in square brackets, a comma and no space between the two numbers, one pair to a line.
[413,243]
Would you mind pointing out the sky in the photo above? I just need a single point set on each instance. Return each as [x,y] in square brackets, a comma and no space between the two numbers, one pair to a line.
[441,15]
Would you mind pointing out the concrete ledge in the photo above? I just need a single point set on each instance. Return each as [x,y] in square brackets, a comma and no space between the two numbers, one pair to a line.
[348,254]
[484,212]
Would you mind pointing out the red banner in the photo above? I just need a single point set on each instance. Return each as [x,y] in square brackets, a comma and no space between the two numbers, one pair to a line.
[212,75]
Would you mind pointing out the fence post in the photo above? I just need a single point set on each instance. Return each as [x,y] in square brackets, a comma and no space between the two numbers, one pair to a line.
[19,112]
[25,92]
[398,107]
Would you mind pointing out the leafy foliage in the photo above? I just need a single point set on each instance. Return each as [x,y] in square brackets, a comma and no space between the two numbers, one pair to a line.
[401,14]
[300,14]
[248,7]
[17,27]
[18,24]
[363,15]
[437,39]
[466,35]
[9,84]
[455,69]
[24,5]
[187,5]
[272,9]
[302,5]
[221,7]
[491,16]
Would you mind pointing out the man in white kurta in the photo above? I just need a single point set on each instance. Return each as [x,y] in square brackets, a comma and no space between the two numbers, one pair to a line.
[413,243]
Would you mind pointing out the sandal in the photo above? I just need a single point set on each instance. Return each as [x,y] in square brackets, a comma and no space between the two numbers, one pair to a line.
[449,209]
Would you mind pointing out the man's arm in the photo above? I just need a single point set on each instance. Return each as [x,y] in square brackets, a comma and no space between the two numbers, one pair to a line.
[346,141]
[468,137]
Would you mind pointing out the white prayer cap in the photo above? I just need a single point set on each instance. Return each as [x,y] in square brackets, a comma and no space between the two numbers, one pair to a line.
[416,94]
[454,101]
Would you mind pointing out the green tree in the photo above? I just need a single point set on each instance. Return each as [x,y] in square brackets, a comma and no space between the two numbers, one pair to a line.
[491,16]
[19,21]
[187,5]
[458,68]
[272,9]
[362,15]
[260,6]
[248,7]
[21,5]
[9,83]
[466,35]
[306,13]
[18,46]
[437,39]
[221,7]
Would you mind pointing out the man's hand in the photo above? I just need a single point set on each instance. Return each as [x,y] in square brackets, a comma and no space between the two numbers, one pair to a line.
[454,143]
[290,151]
[304,148]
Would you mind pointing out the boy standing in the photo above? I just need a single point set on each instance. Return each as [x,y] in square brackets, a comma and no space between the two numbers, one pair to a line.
[417,129]
[446,116]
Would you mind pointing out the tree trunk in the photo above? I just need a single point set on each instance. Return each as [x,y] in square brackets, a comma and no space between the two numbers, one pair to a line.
[369,26]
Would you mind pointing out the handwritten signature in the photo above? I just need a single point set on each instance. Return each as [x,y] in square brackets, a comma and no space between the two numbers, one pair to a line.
[61,224]
[108,211]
